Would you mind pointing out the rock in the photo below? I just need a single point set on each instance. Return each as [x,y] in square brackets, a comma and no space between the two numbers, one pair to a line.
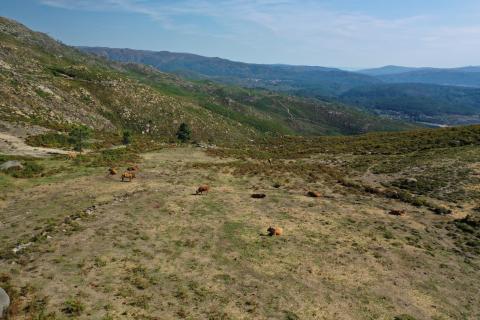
[411,181]
[4,303]
[258,195]
[12,164]
[21,247]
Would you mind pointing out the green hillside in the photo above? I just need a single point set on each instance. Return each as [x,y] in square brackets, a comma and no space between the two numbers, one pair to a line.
[47,83]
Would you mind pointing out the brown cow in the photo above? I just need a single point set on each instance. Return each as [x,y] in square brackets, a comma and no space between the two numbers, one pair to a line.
[112,171]
[72,155]
[314,194]
[274,231]
[203,188]
[128,175]
[397,212]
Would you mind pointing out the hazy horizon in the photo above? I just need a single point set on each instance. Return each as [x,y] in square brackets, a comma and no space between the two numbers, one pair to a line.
[345,34]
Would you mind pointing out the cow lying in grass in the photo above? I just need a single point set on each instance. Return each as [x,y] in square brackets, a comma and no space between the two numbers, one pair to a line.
[275,231]
[112,171]
[203,188]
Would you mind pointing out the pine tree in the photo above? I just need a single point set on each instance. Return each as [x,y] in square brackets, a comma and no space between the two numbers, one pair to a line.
[78,137]
[184,132]
[127,137]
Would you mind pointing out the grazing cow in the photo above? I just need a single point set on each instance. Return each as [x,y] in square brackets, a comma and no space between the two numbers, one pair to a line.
[112,171]
[203,188]
[258,195]
[274,231]
[397,212]
[72,155]
[128,175]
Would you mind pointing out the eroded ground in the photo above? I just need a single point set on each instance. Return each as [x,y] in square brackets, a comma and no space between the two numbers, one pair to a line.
[97,248]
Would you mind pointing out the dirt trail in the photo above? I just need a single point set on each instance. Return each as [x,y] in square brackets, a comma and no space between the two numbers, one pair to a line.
[12,145]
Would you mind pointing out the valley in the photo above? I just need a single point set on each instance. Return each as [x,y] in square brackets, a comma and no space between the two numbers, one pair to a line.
[443,96]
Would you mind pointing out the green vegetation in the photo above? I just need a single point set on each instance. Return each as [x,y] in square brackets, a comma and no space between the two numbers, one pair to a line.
[73,307]
[419,102]
[30,169]
[50,139]
[127,137]
[184,132]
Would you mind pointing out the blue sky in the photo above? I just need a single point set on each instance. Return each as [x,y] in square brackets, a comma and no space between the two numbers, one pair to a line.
[341,33]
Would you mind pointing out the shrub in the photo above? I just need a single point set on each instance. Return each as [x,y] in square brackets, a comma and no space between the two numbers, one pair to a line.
[127,137]
[30,169]
[49,139]
[184,132]
[441,210]
[73,307]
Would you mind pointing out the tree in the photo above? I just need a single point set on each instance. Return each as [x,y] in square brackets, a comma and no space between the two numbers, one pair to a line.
[78,137]
[127,137]
[184,132]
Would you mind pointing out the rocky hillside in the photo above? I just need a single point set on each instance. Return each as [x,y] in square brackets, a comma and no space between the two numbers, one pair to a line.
[44,82]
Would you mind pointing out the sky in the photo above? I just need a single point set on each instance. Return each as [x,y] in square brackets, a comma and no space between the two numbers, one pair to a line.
[336,33]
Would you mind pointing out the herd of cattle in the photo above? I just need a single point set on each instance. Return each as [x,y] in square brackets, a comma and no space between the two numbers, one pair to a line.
[131,173]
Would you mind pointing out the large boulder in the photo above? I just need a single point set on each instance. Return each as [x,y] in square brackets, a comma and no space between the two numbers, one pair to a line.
[12,164]
[4,303]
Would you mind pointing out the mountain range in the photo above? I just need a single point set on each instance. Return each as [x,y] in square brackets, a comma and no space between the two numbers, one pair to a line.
[277,77]
[464,76]
[413,94]
[47,83]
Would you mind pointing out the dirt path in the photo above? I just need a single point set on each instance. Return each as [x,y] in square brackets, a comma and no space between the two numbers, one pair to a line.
[12,145]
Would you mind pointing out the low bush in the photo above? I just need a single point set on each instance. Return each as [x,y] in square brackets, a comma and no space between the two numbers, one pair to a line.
[50,140]
[73,307]
[30,169]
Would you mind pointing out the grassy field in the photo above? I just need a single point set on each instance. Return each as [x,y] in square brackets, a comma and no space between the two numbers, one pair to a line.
[77,243]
